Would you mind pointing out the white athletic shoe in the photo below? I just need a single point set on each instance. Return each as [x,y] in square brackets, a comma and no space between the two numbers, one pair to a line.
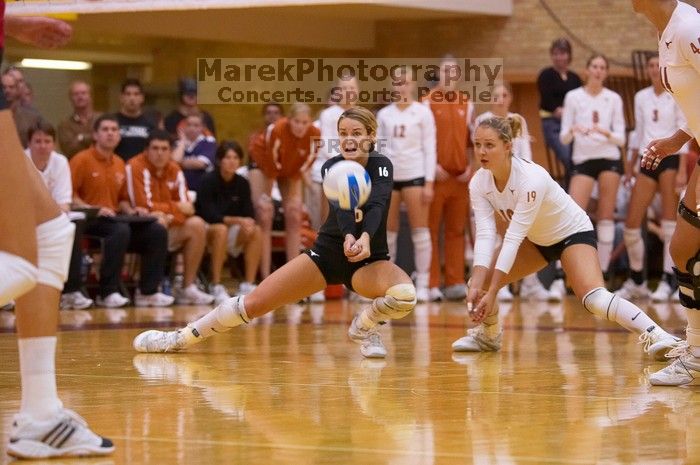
[422,294]
[632,291]
[246,288]
[557,290]
[373,347]
[685,369]
[455,292]
[435,294]
[317,297]
[220,293]
[75,301]
[676,296]
[65,435]
[191,295]
[534,292]
[476,340]
[153,300]
[504,295]
[662,293]
[658,342]
[114,300]
[154,341]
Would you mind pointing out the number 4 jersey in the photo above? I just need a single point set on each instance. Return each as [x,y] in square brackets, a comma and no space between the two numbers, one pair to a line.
[679,59]
[536,206]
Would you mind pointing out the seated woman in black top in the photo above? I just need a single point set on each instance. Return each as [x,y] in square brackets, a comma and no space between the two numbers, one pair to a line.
[223,201]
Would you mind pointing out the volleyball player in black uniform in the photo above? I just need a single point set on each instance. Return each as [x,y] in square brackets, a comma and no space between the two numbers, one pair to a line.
[351,249]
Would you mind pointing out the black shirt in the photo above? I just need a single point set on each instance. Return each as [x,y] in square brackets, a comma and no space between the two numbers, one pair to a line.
[173,120]
[374,211]
[217,198]
[553,88]
[134,132]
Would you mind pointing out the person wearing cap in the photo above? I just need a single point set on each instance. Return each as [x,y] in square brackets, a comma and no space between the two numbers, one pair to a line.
[175,121]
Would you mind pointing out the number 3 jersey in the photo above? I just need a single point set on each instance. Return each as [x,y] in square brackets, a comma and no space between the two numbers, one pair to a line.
[679,59]
[536,206]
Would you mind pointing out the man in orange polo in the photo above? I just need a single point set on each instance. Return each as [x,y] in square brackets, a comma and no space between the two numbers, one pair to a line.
[99,180]
[451,194]
[156,186]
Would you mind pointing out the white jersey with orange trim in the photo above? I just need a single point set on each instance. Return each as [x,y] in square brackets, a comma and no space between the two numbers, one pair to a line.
[586,110]
[655,116]
[679,60]
[521,144]
[407,137]
[536,206]
[330,146]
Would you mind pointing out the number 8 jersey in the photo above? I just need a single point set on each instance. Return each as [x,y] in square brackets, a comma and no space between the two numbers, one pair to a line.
[536,206]
[679,59]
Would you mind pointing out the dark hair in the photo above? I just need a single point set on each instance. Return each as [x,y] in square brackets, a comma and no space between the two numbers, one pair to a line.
[227,145]
[598,55]
[159,134]
[562,45]
[132,82]
[101,118]
[650,56]
[42,126]
[268,105]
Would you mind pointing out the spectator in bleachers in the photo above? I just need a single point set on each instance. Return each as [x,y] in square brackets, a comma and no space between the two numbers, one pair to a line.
[75,132]
[99,180]
[157,187]
[134,125]
[55,171]
[450,204]
[25,116]
[257,151]
[188,106]
[553,83]
[195,150]
[594,120]
[224,201]
[24,88]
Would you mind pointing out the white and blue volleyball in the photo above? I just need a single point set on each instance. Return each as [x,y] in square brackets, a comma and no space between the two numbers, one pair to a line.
[347,185]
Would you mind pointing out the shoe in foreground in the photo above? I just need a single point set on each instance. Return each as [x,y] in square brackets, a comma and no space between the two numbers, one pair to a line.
[684,370]
[371,345]
[154,341]
[476,340]
[658,343]
[65,435]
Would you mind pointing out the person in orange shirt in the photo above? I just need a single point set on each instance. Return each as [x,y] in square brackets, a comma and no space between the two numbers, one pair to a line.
[291,149]
[157,187]
[99,180]
[451,198]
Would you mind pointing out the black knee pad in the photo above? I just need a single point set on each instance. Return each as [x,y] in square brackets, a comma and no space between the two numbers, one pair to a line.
[689,284]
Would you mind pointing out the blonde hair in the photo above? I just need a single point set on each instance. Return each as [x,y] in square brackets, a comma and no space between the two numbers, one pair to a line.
[299,108]
[361,115]
[507,128]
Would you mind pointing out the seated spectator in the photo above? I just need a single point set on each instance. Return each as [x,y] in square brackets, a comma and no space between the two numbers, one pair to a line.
[75,132]
[174,122]
[134,124]
[195,150]
[224,201]
[157,187]
[99,180]
[55,171]
[25,116]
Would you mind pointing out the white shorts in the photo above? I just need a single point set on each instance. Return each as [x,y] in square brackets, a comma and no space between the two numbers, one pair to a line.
[233,248]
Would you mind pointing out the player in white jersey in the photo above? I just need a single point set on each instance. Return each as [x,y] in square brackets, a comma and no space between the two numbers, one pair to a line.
[593,118]
[679,58]
[406,134]
[543,224]
[656,115]
[531,287]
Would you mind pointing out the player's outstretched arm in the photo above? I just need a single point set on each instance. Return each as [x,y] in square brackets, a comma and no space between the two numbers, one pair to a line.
[38,31]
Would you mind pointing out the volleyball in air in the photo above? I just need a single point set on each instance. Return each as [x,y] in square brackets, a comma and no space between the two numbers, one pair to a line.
[347,185]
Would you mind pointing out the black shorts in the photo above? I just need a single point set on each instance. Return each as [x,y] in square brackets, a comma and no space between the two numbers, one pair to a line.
[667,163]
[553,252]
[418,182]
[593,168]
[334,265]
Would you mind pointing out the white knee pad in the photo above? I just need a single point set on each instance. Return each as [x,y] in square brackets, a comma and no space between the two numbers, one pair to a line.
[398,301]
[668,227]
[54,245]
[606,231]
[602,303]
[17,277]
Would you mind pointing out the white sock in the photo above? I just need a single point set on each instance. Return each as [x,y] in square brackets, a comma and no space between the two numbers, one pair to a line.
[606,237]
[667,229]
[391,239]
[692,331]
[422,248]
[17,277]
[224,317]
[632,317]
[635,248]
[37,364]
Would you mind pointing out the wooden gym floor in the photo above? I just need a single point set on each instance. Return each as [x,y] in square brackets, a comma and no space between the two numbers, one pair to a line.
[565,389]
